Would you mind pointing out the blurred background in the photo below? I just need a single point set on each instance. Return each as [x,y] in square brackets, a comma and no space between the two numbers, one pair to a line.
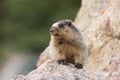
[24,31]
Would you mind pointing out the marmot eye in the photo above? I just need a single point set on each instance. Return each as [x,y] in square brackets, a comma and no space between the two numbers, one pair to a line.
[61,25]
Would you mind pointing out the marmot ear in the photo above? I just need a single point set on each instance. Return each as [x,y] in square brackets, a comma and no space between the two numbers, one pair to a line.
[69,22]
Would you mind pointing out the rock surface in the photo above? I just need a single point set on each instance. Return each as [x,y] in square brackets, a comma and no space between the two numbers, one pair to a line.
[99,22]
[51,70]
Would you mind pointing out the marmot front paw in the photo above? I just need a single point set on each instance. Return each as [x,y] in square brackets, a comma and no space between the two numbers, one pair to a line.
[63,62]
[79,66]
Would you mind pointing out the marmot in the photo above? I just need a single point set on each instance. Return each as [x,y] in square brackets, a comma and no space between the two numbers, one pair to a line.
[66,45]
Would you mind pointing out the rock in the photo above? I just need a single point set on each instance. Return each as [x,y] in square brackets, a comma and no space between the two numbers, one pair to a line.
[99,22]
[51,70]
[18,77]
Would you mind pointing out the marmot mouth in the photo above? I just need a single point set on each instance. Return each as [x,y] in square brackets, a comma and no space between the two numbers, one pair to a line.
[54,33]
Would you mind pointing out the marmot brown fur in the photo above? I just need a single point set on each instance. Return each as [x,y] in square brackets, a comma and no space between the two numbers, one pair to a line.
[66,45]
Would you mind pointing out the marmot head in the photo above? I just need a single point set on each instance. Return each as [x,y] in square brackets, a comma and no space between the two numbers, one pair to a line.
[63,29]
